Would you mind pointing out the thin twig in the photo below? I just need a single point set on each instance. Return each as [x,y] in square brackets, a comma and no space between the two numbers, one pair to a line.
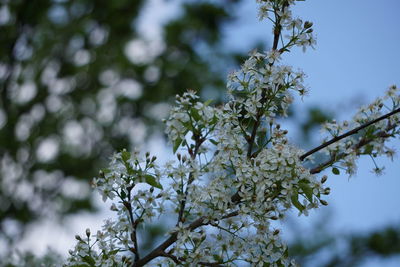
[354,131]
[361,143]
[134,224]
[199,141]
[160,250]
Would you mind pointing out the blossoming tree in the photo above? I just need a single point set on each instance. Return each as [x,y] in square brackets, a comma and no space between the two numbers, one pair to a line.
[235,171]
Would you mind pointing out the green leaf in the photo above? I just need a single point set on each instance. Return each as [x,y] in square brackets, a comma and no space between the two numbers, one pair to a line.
[214,120]
[295,201]
[286,253]
[195,114]
[113,252]
[368,149]
[151,180]
[130,170]
[122,193]
[208,102]
[307,190]
[213,141]
[89,259]
[106,170]
[335,171]
[188,126]
[177,143]
[125,155]
[217,258]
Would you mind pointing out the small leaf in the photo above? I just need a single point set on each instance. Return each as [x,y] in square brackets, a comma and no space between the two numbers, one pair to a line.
[217,258]
[89,259]
[177,143]
[307,190]
[151,180]
[295,201]
[113,252]
[106,170]
[122,193]
[125,155]
[208,102]
[213,141]
[214,120]
[195,114]
[368,149]
[286,253]
[335,171]
[130,170]
[188,125]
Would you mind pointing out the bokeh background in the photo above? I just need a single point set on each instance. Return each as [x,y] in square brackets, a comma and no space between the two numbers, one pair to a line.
[81,79]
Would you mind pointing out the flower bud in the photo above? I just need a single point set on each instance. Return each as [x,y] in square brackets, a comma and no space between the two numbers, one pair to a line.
[113,207]
[276,232]
[323,202]
[308,24]
[327,191]
[78,237]
[324,178]
[88,232]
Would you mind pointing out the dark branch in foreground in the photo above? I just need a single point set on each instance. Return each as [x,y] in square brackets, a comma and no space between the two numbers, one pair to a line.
[354,131]
[160,250]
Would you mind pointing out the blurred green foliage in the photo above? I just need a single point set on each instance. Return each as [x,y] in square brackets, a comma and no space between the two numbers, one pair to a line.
[78,81]
[315,118]
[324,248]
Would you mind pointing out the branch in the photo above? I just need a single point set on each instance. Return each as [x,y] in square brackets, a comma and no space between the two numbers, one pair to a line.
[160,250]
[363,142]
[178,261]
[277,34]
[354,131]
[278,28]
[134,224]
[172,257]
[199,141]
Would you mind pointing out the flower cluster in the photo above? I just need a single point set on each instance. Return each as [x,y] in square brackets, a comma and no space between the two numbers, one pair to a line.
[189,116]
[298,33]
[369,140]
[260,80]
[235,171]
